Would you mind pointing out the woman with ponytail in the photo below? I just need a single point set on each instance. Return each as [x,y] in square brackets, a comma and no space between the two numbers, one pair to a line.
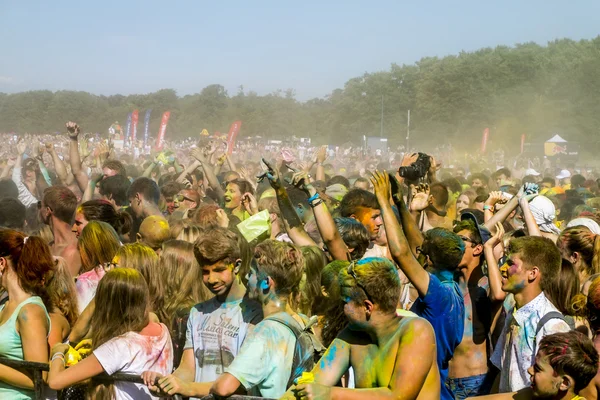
[124,340]
[582,248]
[101,210]
[25,263]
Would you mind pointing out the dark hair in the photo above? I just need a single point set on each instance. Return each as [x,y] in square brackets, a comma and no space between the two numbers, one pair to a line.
[62,201]
[31,260]
[539,252]
[577,181]
[573,354]
[549,180]
[331,306]
[12,213]
[297,196]
[216,244]
[244,186]
[115,165]
[102,210]
[444,248]
[453,184]
[355,235]
[339,179]
[440,194]
[146,187]
[170,189]
[482,177]
[8,189]
[503,171]
[529,179]
[116,188]
[469,225]
[561,289]
[355,199]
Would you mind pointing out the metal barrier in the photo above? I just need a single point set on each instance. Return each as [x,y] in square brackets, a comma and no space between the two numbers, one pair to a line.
[38,381]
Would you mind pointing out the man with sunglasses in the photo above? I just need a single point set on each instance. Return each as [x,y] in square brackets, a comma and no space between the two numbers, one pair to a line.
[440,300]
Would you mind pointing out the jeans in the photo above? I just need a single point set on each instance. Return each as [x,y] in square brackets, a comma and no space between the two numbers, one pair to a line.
[477,385]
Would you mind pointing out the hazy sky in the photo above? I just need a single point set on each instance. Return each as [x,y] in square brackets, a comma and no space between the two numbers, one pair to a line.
[109,46]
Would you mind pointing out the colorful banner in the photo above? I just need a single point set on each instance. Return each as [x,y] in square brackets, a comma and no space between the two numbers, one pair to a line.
[233,132]
[162,130]
[522,143]
[484,140]
[128,129]
[134,122]
[146,124]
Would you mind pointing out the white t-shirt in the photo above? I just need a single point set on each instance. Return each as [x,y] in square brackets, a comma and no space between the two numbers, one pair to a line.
[133,353]
[216,331]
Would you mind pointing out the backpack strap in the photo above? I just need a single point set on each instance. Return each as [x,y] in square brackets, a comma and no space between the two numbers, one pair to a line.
[294,327]
[543,321]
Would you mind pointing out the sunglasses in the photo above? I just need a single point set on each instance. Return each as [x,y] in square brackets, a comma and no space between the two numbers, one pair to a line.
[181,198]
[353,275]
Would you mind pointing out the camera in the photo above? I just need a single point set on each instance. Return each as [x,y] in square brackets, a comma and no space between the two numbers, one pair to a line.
[416,170]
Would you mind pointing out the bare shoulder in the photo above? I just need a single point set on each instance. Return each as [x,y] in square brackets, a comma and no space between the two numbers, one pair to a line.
[414,325]
[32,314]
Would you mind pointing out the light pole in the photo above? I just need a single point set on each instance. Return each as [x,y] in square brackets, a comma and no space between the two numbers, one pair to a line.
[381,131]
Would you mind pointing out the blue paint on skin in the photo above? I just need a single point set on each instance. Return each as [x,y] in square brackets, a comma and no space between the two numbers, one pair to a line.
[328,358]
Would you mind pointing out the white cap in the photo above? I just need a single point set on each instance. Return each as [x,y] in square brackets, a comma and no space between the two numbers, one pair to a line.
[531,171]
[563,174]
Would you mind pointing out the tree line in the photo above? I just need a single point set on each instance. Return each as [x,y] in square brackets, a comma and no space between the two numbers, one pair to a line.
[525,89]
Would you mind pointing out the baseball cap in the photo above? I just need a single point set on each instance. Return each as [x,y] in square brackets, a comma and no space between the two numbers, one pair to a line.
[484,233]
[531,171]
[563,174]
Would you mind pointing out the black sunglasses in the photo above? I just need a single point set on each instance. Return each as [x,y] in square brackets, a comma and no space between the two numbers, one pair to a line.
[353,275]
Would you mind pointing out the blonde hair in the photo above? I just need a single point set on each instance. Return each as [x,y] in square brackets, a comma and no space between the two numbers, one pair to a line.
[97,245]
[62,292]
[142,258]
[190,233]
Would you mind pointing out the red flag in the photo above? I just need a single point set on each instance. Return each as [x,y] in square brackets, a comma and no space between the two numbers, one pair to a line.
[163,128]
[484,140]
[134,122]
[233,131]
[522,143]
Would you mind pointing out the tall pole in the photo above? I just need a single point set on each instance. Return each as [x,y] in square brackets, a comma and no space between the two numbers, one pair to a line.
[381,132]
[408,131]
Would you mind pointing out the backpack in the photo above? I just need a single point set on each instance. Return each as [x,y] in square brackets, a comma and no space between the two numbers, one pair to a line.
[545,318]
[307,351]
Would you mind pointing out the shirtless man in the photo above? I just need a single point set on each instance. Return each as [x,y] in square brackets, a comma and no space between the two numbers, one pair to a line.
[57,209]
[392,352]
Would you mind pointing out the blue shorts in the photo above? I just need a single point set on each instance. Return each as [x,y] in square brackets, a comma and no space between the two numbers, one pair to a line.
[471,386]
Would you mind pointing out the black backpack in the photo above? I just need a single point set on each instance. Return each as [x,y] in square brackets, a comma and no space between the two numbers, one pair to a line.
[307,351]
[545,318]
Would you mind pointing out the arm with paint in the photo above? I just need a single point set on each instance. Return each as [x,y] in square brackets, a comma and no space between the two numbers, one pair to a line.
[495,279]
[397,242]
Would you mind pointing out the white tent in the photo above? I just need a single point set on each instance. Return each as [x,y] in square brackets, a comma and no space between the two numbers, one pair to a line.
[556,139]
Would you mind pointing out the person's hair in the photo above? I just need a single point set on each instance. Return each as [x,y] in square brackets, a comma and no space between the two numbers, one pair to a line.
[360,179]
[133,171]
[471,195]
[573,354]
[270,204]
[97,245]
[482,177]
[170,189]
[297,197]
[577,181]
[190,233]
[115,186]
[581,240]
[342,180]
[281,261]
[31,261]
[102,210]
[310,285]
[330,305]
[12,213]
[355,235]
[453,184]
[440,194]
[146,187]
[62,293]
[143,259]
[468,225]
[379,278]
[356,199]
[217,244]
[8,189]
[549,180]
[561,289]
[539,252]
[206,216]
[503,171]
[62,201]
[444,248]
[115,165]
[243,186]
[124,296]
[181,275]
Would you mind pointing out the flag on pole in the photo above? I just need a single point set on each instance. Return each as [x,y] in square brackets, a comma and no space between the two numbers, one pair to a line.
[233,132]
[146,124]
[128,129]
[134,123]
[162,130]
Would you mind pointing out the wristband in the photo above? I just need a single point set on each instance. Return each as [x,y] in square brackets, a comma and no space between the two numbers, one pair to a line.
[56,356]
[486,207]
[315,203]
[313,197]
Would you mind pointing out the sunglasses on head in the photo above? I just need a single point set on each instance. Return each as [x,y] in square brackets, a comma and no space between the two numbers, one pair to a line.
[353,275]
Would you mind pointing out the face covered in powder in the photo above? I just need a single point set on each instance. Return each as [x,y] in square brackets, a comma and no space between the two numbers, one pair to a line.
[514,274]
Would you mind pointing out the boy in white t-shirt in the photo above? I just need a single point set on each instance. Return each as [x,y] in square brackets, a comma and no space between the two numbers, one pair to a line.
[216,328]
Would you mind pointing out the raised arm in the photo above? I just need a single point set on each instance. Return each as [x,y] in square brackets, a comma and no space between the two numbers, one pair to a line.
[74,158]
[410,227]
[532,227]
[320,158]
[494,277]
[397,243]
[325,223]
[208,172]
[59,165]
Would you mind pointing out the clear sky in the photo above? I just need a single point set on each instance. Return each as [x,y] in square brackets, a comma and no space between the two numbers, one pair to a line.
[109,46]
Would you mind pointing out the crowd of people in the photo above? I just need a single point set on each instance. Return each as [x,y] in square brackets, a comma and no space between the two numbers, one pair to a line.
[295,273]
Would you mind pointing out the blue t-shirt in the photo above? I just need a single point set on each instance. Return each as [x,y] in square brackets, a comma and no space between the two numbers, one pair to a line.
[443,306]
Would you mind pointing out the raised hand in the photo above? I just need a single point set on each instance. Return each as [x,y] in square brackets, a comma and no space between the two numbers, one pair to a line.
[321,154]
[49,147]
[273,175]
[250,203]
[198,154]
[381,186]
[73,129]
[421,198]
[528,191]
[301,179]
[409,159]
[496,238]
[21,147]
[222,218]
[495,197]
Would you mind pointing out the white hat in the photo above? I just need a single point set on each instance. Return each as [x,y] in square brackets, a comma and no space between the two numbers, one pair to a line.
[531,171]
[563,174]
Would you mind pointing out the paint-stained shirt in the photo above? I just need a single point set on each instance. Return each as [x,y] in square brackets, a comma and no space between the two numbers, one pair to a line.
[443,306]
[216,331]
[133,353]
[265,359]
[513,354]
